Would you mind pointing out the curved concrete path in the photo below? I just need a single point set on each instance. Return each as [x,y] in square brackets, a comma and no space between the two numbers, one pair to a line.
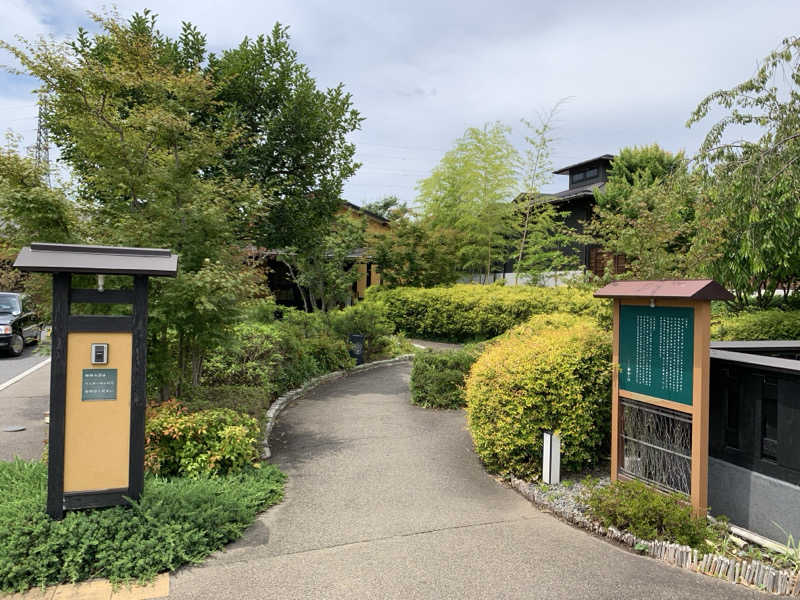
[387,500]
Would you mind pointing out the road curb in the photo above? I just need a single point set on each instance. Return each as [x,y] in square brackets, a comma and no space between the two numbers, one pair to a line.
[24,374]
[285,399]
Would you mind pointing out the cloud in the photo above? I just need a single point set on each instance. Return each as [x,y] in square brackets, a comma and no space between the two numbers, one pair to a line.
[422,72]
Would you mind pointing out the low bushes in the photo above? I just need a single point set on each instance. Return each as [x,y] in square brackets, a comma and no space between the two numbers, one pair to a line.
[467,312]
[540,377]
[277,356]
[773,324]
[437,378]
[648,514]
[369,320]
[176,521]
[208,442]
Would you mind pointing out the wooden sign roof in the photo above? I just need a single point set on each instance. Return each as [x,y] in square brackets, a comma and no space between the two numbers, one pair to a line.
[690,289]
[107,260]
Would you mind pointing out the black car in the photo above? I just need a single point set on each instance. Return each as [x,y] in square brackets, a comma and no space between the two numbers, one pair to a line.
[18,325]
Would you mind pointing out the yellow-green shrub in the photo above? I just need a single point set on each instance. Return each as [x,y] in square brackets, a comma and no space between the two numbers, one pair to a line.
[217,441]
[466,312]
[773,324]
[538,378]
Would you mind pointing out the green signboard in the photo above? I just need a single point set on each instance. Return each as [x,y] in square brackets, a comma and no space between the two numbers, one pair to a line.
[99,384]
[656,351]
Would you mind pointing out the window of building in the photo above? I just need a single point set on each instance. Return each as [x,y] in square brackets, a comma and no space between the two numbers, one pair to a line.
[731,392]
[769,418]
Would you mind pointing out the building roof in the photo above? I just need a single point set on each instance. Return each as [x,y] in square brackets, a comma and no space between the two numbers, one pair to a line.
[369,213]
[565,170]
[690,289]
[107,260]
[581,190]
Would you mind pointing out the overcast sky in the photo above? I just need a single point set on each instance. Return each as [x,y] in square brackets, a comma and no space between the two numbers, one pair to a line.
[421,72]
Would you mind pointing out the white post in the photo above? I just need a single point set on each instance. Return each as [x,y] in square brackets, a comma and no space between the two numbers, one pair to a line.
[551,458]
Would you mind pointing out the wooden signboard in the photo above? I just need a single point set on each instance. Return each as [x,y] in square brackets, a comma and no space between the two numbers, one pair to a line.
[661,378]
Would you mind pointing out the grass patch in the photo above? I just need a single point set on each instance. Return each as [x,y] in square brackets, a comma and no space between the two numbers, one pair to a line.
[177,521]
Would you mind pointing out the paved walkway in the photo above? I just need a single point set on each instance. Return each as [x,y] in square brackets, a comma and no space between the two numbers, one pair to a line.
[388,500]
[24,403]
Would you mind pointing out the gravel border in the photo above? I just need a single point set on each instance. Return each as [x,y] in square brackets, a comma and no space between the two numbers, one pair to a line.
[284,400]
[751,573]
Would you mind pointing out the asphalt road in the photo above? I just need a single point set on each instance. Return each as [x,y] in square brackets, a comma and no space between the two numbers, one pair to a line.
[388,500]
[23,404]
[11,366]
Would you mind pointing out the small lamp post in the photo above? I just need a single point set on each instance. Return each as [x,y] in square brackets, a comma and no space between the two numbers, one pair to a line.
[357,347]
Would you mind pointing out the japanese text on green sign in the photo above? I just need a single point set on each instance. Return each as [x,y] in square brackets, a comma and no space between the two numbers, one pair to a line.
[656,351]
[99,384]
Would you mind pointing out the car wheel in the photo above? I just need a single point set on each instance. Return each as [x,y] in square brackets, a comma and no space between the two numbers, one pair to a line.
[16,345]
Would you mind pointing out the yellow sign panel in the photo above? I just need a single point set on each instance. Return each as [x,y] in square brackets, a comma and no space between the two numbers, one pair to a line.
[97,420]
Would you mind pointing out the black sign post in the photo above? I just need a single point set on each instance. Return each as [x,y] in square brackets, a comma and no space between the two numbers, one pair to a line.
[95,387]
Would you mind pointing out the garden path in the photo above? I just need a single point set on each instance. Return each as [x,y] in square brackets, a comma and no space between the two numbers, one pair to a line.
[388,500]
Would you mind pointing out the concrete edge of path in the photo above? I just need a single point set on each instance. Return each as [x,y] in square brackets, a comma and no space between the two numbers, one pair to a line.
[285,399]
[751,574]
[24,374]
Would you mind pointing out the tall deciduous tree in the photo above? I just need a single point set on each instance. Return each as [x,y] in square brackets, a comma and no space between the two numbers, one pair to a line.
[543,236]
[754,205]
[415,253]
[470,190]
[293,137]
[127,108]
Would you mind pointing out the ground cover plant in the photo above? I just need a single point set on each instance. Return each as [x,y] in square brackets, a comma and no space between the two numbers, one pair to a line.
[467,312]
[438,378]
[636,507]
[177,521]
[539,378]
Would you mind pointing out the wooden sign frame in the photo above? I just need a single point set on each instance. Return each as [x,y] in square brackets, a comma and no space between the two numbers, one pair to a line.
[695,294]
[698,409]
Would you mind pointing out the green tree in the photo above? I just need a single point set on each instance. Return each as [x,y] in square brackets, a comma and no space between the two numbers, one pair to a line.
[30,211]
[414,253]
[126,108]
[293,138]
[326,271]
[543,236]
[646,213]
[469,192]
[752,210]
[386,207]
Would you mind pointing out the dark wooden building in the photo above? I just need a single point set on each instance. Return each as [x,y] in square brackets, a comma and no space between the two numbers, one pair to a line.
[578,201]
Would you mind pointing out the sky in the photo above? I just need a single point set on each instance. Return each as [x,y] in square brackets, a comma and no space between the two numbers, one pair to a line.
[422,72]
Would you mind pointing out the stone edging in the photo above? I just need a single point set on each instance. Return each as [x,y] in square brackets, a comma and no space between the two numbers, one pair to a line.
[285,399]
[750,573]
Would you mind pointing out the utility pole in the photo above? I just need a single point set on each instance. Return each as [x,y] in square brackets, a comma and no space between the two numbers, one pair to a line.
[41,151]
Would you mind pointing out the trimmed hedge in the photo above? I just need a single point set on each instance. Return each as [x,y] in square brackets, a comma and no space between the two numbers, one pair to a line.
[773,324]
[538,378]
[471,312]
[437,378]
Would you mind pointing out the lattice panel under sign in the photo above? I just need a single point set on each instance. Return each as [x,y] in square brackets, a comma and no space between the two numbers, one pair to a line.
[656,351]
[657,445]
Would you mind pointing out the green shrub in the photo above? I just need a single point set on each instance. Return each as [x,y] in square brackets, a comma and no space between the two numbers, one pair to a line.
[467,312]
[773,324]
[208,442]
[176,521]
[251,400]
[539,378]
[437,378]
[647,513]
[370,320]
[277,356]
